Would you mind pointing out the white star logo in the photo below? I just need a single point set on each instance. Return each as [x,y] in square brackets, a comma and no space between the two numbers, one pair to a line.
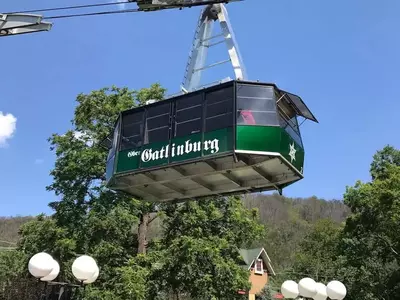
[292,152]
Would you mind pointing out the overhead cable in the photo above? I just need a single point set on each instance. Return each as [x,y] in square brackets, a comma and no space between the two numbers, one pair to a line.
[93,14]
[68,7]
[161,7]
[174,6]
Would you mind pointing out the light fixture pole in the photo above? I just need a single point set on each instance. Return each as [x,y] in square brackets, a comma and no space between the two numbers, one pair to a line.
[43,267]
[307,288]
[13,24]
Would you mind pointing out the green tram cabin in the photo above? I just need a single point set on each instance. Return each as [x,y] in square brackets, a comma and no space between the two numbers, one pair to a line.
[232,138]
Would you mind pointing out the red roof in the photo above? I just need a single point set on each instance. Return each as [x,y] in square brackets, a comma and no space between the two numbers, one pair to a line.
[279,296]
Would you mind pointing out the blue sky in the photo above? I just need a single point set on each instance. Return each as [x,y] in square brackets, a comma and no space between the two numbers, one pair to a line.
[341,57]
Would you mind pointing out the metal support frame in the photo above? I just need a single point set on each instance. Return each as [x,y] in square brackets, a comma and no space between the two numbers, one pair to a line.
[58,290]
[13,24]
[203,41]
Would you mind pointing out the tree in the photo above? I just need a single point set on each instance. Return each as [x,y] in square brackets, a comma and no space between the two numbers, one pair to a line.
[316,256]
[88,217]
[388,156]
[370,244]
[43,234]
[80,161]
[201,248]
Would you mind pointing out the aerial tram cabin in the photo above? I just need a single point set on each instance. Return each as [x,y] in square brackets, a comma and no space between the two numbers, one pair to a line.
[232,138]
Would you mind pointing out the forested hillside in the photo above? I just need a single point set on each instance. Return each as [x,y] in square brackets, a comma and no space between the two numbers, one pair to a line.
[287,221]
[9,227]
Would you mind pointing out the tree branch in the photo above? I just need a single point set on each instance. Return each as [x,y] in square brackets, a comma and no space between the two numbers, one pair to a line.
[388,244]
[152,219]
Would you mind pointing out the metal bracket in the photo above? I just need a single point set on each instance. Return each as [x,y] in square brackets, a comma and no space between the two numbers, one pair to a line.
[203,42]
[13,24]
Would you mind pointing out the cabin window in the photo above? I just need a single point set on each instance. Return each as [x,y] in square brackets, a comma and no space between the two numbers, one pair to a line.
[114,146]
[188,115]
[288,120]
[132,130]
[219,107]
[259,268]
[157,123]
[256,105]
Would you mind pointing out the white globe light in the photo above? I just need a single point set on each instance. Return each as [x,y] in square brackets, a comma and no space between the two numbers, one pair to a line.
[290,289]
[307,287]
[336,290]
[84,268]
[53,274]
[321,292]
[40,265]
[93,278]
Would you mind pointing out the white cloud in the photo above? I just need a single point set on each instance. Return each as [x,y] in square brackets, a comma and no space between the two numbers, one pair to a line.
[8,125]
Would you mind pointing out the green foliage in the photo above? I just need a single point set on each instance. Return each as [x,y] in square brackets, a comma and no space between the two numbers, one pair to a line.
[226,218]
[388,156]
[131,282]
[43,234]
[201,242]
[266,294]
[89,218]
[12,265]
[317,254]
[370,242]
[364,253]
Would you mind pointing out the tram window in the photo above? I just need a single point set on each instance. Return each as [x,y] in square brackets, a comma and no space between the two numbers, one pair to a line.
[113,149]
[131,142]
[157,135]
[254,91]
[304,111]
[284,121]
[131,118]
[188,116]
[219,106]
[193,126]
[132,130]
[189,101]
[261,104]
[132,136]
[248,117]
[159,109]
[285,107]
[157,123]
[219,115]
[256,106]
[291,127]
[219,122]
[219,95]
